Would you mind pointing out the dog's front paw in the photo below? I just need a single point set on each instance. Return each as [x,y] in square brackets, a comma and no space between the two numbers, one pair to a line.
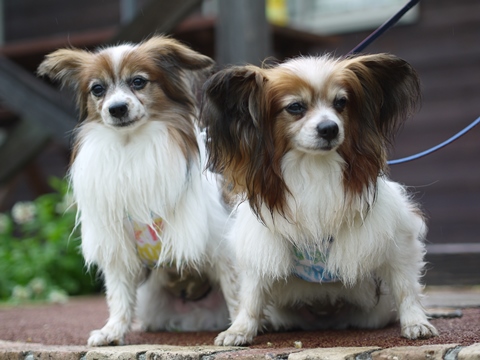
[419,331]
[228,338]
[104,338]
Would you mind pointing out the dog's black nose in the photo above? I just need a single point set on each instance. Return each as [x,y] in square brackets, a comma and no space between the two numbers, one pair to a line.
[327,130]
[118,110]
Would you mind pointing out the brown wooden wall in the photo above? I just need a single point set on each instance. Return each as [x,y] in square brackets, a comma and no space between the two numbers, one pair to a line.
[30,19]
[444,47]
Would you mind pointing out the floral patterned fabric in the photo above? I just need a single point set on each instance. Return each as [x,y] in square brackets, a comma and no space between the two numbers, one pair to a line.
[149,244]
[311,267]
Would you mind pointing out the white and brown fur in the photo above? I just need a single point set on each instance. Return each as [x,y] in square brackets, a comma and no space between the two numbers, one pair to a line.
[304,145]
[138,153]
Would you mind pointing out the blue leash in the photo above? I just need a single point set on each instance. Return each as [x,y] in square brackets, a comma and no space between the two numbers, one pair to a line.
[371,38]
[384,27]
[435,148]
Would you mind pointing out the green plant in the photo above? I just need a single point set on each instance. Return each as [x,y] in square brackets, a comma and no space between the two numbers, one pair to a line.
[39,250]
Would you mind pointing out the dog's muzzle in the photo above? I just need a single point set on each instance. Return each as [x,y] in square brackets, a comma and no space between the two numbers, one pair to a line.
[118,110]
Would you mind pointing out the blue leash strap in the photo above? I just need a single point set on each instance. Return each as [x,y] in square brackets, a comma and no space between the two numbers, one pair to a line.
[384,27]
[435,148]
[370,39]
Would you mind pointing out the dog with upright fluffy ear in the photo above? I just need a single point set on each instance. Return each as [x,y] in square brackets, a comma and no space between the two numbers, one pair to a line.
[322,237]
[151,218]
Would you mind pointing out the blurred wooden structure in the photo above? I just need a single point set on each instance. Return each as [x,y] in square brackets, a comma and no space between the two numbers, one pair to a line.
[242,32]
[444,47]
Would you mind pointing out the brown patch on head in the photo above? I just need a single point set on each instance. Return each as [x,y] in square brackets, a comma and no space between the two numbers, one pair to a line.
[169,95]
[278,127]
[233,112]
[171,63]
[383,91]
[249,133]
[100,69]
[246,136]
[173,68]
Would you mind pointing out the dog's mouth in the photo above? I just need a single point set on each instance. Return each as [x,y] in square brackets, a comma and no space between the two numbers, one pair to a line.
[328,144]
[321,148]
[327,147]
[124,123]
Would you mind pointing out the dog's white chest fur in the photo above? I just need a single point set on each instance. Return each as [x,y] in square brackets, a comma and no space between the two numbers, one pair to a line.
[141,175]
[360,228]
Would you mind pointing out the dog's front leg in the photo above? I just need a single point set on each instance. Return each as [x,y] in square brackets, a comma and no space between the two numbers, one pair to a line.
[402,276]
[413,319]
[248,320]
[121,296]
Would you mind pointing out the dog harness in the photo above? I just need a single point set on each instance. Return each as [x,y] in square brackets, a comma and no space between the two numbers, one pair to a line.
[312,267]
[149,244]
[186,285]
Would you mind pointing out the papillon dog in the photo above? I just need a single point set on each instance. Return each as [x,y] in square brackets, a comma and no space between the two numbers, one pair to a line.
[151,218]
[322,238]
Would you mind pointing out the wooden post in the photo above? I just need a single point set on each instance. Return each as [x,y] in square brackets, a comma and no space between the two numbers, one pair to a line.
[128,10]
[242,32]
[2,22]
[157,17]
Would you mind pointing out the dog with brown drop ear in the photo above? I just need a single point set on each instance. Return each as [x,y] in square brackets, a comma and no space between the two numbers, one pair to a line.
[322,237]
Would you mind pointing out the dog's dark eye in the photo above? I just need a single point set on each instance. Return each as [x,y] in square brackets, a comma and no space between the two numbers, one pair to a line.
[98,90]
[138,83]
[340,103]
[296,108]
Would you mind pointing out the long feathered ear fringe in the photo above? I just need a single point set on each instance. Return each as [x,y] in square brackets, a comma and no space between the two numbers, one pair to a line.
[182,70]
[240,136]
[65,66]
[181,67]
[170,52]
[384,91]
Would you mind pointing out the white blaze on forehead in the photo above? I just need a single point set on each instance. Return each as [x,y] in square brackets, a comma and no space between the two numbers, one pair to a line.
[117,53]
[314,70]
